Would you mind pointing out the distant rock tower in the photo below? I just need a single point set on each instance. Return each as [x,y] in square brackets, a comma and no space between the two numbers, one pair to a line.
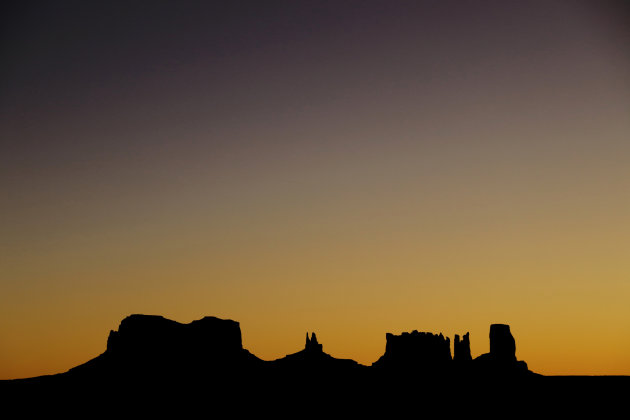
[312,345]
[501,361]
[502,344]
[462,349]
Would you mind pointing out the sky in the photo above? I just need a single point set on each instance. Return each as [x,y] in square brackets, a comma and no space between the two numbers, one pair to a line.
[346,167]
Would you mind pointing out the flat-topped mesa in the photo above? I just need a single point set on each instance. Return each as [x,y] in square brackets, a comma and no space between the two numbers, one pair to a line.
[156,334]
[416,350]
[159,349]
[461,349]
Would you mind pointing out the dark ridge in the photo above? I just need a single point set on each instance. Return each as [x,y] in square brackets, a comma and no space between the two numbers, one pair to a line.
[151,357]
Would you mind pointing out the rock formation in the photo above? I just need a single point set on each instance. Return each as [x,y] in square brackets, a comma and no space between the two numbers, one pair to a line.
[147,345]
[156,334]
[313,359]
[502,344]
[157,352]
[312,345]
[416,351]
[461,349]
[502,357]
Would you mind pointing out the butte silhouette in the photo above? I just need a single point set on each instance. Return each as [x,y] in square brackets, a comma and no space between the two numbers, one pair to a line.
[150,357]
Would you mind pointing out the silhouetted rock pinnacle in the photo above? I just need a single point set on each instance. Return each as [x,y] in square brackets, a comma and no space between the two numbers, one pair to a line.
[312,345]
[502,344]
[461,349]
[502,357]
[313,359]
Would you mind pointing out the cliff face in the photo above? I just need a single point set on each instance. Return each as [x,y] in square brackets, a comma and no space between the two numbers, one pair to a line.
[415,350]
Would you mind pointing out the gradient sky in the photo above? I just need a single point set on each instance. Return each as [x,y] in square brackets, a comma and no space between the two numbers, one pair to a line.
[346,167]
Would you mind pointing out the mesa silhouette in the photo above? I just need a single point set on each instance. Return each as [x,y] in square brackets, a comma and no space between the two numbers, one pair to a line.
[150,361]
[153,350]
